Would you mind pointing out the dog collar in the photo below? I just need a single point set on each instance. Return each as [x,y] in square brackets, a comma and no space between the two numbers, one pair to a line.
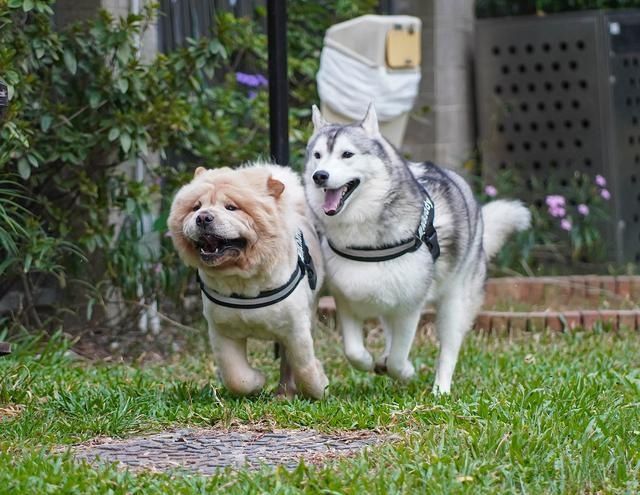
[304,266]
[425,234]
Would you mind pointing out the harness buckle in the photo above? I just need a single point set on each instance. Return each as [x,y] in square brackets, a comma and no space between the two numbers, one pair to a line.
[430,238]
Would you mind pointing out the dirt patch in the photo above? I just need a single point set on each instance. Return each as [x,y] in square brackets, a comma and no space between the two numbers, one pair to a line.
[207,450]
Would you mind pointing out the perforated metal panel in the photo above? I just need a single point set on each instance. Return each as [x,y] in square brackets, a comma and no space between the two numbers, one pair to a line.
[624,62]
[558,94]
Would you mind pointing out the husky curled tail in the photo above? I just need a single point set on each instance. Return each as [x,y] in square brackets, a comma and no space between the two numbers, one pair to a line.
[501,218]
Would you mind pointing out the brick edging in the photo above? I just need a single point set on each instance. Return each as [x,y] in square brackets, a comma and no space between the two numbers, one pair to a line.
[548,290]
[541,290]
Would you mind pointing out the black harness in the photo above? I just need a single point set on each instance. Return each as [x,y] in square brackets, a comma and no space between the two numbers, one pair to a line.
[425,234]
[304,266]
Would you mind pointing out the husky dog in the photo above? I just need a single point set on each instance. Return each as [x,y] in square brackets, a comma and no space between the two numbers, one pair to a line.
[400,235]
[247,232]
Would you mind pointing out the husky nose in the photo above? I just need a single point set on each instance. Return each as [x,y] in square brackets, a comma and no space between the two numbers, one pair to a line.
[320,177]
[204,219]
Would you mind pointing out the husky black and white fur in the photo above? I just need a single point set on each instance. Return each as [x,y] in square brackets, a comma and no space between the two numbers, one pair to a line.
[365,194]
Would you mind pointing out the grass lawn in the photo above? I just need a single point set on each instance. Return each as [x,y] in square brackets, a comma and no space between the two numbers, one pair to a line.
[538,414]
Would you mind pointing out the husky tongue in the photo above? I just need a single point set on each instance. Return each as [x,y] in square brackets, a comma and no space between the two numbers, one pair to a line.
[332,199]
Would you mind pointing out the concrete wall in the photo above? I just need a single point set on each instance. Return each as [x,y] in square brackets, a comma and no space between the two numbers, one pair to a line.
[444,134]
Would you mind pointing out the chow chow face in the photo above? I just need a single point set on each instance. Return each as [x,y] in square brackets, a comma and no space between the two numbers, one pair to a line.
[227,219]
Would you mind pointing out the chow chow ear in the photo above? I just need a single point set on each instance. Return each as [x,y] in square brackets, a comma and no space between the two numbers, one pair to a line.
[317,118]
[198,171]
[275,187]
[370,121]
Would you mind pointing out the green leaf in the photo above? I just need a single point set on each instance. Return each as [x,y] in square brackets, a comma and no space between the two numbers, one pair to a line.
[123,85]
[24,169]
[28,259]
[45,122]
[123,53]
[131,205]
[70,61]
[125,142]
[142,146]
[114,133]
[27,5]
[33,160]
[94,99]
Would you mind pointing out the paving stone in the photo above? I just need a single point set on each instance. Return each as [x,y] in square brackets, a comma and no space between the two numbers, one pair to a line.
[205,451]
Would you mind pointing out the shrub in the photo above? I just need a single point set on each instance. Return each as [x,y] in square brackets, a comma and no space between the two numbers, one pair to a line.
[81,104]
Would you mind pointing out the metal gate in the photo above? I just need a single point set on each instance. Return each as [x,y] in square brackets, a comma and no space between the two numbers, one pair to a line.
[182,19]
[561,93]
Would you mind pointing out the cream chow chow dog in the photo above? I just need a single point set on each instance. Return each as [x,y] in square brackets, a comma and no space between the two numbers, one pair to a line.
[259,267]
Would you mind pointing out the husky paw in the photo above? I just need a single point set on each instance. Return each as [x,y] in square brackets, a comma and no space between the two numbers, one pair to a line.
[440,389]
[360,360]
[402,372]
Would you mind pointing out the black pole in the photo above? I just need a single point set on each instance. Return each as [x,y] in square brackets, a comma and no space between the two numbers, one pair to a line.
[278,82]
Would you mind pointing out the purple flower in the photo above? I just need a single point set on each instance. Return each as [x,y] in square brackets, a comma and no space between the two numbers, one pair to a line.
[565,224]
[251,80]
[555,201]
[557,211]
[583,210]
[252,94]
[605,194]
[601,181]
[490,191]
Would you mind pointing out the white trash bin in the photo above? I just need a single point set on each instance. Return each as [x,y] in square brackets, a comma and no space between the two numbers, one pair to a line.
[375,59]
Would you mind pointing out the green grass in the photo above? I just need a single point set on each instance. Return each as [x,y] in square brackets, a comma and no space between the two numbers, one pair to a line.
[542,414]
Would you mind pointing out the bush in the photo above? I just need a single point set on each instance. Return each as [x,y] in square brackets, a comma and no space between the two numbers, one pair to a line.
[81,104]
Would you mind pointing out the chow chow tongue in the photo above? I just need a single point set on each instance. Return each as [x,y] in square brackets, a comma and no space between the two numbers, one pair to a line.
[332,199]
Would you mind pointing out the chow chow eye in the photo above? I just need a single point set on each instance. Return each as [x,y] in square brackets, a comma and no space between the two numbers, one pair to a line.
[230,207]
[347,154]
[196,207]
[317,155]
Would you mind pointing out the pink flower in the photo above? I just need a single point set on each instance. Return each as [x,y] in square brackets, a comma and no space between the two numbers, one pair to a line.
[601,181]
[555,201]
[565,224]
[605,194]
[583,209]
[490,191]
[168,234]
[557,211]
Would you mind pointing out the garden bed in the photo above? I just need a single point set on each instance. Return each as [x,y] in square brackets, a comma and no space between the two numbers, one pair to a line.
[515,304]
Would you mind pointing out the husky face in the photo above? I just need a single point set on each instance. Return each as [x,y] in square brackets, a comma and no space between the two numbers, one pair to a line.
[346,171]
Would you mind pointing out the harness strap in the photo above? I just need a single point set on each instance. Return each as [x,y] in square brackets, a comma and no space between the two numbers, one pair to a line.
[425,234]
[304,266]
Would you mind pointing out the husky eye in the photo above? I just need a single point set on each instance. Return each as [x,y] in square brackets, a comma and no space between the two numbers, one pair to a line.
[230,207]
[347,154]
[317,155]
[196,207]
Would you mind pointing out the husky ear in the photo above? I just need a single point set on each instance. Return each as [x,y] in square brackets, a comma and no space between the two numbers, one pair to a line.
[198,171]
[370,121]
[275,187]
[318,119]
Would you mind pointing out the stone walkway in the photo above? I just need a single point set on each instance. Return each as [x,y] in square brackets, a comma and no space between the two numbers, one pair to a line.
[205,451]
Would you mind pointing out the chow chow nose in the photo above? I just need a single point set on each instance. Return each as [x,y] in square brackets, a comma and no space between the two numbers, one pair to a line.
[204,219]
[320,177]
